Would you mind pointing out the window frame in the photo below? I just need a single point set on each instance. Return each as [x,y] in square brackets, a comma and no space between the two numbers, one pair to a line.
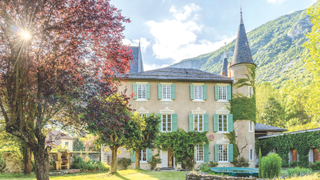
[166,122]
[225,92]
[226,119]
[250,91]
[66,143]
[198,155]
[194,92]
[251,126]
[198,126]
[168,92]
[141,156]
[142,115]
[251,154]
[227,150]
[139,91]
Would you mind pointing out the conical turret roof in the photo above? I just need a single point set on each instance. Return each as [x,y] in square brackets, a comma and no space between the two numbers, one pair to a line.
[224,69]
[242,53]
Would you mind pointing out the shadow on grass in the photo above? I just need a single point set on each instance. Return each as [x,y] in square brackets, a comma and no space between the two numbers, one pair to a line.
[120,176]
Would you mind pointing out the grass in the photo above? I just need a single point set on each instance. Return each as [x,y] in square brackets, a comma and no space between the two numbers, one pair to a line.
[129,174]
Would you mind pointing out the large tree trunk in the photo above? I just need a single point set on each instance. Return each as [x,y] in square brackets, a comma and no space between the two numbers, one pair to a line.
[27,160]
[114,151]
[137,161]
[41,159]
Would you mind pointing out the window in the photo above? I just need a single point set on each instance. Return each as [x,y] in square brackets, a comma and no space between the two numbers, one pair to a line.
[250,89]
[142,91]
[198,93]
[251,154]
[200,154]
[166,92]
[250,126]
[223,152]
[166,123]
[223,123]
[66,143]
[143,115]
[222,92]
[198,122]
[143,156]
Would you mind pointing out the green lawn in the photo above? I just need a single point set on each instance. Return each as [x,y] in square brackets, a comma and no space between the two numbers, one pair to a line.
[123,175]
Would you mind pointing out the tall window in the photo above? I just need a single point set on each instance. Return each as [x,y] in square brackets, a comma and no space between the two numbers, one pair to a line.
[222,92]
[143,156]
[142,91]
[250,154]
[223,123]
[166,123]
[198,122]
[166,91]
[198,93]
[223,152]
[66,143]
[250,126]
[143,115]
[250,91]
[200,154]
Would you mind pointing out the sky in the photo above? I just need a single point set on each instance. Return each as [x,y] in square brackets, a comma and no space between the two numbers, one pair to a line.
[173,30]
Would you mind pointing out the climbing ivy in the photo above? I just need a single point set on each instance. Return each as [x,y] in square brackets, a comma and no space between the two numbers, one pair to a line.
[302,142]
[243,108]
[182,144]
[232,139]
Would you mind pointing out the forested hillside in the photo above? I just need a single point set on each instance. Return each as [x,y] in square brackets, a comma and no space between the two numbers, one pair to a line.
[276,48]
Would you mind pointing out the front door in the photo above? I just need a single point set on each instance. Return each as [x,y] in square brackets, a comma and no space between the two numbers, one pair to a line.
[170,158]
[294,155]
[316,156]
[164,159]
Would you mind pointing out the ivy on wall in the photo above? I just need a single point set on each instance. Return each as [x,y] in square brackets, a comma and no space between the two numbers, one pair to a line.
[182,144]
[232,140]
[243,108]
[302,142]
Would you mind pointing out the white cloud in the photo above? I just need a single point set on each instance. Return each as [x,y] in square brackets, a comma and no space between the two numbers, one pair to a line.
[276,1]
[176,38]
[143,43]
[147,67]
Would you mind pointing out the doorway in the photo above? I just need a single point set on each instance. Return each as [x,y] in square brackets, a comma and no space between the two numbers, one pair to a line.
[167,159]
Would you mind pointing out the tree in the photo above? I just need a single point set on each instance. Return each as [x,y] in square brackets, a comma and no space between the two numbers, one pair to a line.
[109,118]
[273,113]
[150,131]
[51,53]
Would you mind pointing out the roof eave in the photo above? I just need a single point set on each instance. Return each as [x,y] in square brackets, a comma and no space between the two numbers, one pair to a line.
[183,80]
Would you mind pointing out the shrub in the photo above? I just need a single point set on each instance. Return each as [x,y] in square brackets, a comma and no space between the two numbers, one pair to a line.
[204,167]
[315,166]
[294,164]
[2,163]
[90,165]
[124,163]
[241,162]
[154,161]
[270,166]
[285,163]
[213,164]
[297,171]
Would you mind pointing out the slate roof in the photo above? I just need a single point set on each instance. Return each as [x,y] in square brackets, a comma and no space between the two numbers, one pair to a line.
[294,132]
[179,74]
[263,127]
[224,64]
[61,135]
[242,53]
[137,64]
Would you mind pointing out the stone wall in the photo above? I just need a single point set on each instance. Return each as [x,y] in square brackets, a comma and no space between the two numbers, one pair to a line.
[196,176]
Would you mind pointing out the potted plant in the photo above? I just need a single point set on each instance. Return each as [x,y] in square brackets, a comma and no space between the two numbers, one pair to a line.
[158,164]
[179,165]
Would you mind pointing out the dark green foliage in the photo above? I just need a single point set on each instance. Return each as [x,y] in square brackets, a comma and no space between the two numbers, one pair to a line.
[155,160]
[204,167]
[182,144]
[2,163]
[78,145]
[271,166]
[315,166]
[124,163]
[90,165]
[232,139]
[302,142]
[293,164]
[273,113]
[260,165]
[241,162]
[213,164]
[243,108]
[297,171]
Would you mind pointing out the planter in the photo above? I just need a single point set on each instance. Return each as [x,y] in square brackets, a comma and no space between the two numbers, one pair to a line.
[179,165]
[158,166]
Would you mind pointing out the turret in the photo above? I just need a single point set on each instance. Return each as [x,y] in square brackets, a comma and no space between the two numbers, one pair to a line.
[224,69]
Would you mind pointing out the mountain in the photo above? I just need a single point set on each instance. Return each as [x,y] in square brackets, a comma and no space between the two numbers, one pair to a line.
[276,48]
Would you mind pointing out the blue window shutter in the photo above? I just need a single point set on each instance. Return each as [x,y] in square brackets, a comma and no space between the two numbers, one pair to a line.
[191,122]
[148,91]
[173,91]
[216,152]
[216,92]
[206,152]
[160,91]
[160,124]
[149,155]
[204,91]
[135,91]
[230,122]
[230,149]
[229,94]
[174,122]
[206,122]
[191,91]
[133,156]
[215,123]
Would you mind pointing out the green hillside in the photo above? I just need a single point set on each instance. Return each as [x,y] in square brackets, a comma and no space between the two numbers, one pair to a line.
[276,48]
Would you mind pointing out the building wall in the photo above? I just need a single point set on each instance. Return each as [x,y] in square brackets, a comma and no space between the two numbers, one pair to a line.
[69,146]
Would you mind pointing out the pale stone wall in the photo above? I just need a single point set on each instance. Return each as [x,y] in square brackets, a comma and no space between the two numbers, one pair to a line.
[69,146]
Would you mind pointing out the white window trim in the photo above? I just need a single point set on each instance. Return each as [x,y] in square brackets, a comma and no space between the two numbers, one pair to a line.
[142,111]
[146,161]
[166,122]
[224,132]
[196,154]
[141,83]
[252,154]
[166,84]
[223,100]
[227,154]
[251,126]
[198,111]
[194,92]
[249,90]
[198,122]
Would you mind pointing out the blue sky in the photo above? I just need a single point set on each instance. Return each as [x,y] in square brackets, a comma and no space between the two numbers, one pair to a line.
[173,30]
